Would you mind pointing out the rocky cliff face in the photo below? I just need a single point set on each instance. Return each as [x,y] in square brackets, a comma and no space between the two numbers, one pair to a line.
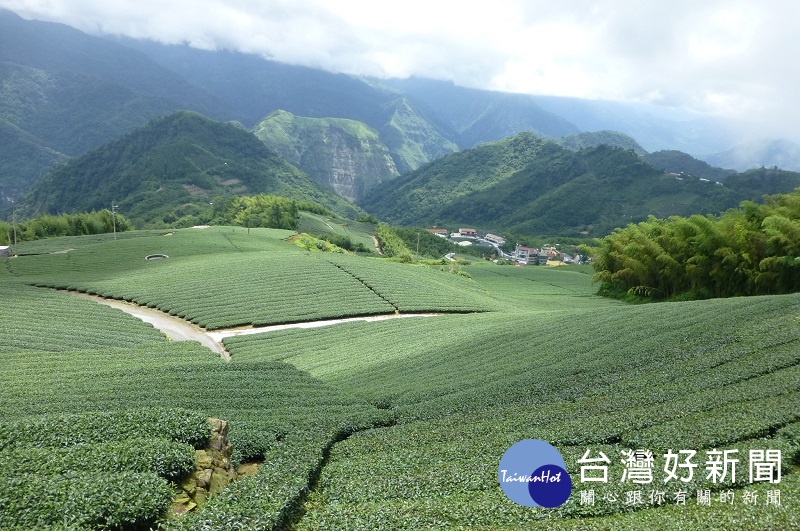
[344,154]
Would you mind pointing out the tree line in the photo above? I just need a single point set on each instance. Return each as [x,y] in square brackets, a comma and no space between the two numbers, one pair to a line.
[752,250]
[47,225]
[262,211]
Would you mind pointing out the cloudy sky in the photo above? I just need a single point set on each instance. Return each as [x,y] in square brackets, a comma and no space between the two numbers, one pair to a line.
[728,57]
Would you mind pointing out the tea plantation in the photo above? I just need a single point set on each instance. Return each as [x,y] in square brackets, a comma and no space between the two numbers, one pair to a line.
[391,424]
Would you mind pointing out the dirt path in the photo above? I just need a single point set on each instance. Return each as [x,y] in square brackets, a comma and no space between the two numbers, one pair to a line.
[177,329]
[174,328]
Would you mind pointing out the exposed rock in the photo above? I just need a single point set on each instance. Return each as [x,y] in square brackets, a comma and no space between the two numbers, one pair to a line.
[346,155]
[213,470]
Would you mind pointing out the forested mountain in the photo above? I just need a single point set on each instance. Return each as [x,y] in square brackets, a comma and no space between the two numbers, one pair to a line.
[678,162]
[172,167]
[63,92]
[411,137]
[530,185]
[419,196]
[23,158]
[342,154]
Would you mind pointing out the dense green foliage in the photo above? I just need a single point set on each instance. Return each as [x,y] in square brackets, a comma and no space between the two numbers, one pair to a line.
[419,196]
[261,211]
[65,430]
[391,244]
[171,168]
[46,226]
[168,459]
[99,500]
[531,186]
[390,424]
[749,251]
[426,244]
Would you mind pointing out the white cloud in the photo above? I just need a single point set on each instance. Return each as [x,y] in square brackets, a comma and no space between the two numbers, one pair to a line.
[733,57]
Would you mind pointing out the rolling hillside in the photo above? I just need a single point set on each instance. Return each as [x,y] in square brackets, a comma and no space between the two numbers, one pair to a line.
[175,164]
[392,424]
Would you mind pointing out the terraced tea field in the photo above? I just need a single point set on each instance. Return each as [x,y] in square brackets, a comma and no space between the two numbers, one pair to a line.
[391,424]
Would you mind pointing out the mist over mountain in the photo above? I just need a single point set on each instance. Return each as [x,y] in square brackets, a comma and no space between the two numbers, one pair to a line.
[654,127]
[63,92]
[781,153]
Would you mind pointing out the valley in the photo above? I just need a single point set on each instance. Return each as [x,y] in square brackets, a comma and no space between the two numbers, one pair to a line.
[403,420]
[238,293]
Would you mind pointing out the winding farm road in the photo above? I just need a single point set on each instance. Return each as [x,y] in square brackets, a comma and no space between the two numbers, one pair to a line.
[177,329]
[174,328]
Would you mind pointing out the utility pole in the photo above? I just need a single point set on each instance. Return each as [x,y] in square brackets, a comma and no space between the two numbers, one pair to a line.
[417,245]
[114,218]
[14,223]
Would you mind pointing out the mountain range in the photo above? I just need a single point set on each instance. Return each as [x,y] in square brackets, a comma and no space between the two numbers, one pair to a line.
[528,184]
[173,167]
[69,100]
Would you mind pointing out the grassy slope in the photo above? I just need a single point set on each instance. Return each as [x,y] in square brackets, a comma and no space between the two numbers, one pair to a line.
[552,361]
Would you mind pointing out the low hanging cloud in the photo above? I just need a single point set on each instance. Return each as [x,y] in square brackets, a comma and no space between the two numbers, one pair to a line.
[725,57]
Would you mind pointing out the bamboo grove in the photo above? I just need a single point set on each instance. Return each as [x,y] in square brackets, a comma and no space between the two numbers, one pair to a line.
[753,250]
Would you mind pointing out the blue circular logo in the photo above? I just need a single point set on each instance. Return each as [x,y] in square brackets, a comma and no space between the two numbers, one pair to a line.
[533,473]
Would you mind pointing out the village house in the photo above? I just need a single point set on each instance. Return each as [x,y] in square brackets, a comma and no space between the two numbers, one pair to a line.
[530,256]
[439,232]
[523,254]
[494,238]
[469,233]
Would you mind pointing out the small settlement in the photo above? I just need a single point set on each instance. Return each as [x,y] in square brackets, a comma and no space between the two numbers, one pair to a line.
[546,255]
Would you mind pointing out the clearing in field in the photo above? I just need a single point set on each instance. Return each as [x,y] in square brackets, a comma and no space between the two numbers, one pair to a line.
[392,424]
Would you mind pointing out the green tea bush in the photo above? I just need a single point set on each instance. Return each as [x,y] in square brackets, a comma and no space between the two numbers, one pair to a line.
[81,500]
[168,459]
[177,425]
